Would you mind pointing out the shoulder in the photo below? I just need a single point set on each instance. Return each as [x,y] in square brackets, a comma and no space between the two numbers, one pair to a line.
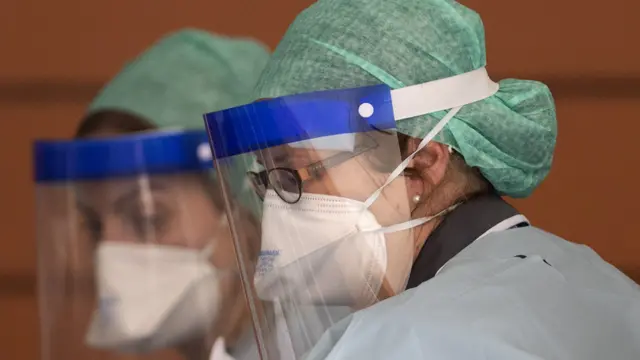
[499,305]
[577,263]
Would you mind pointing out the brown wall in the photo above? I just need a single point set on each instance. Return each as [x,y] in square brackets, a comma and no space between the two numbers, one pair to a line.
[55,55]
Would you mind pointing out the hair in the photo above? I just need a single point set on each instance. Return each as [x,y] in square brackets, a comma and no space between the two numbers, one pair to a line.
[125,123]
[469,179]
[117,121]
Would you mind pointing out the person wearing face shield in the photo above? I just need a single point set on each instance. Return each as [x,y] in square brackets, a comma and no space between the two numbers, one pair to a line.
[149,212]
[385,149]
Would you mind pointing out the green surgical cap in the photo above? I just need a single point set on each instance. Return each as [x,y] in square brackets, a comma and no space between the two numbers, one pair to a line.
[183,76]
[337,44]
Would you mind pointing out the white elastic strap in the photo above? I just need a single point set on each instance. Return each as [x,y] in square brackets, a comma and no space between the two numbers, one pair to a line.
[443,94]
[416,100]
[414,222]
[210,248]
[501,226]
[400,168]
[506,224]
[449,93]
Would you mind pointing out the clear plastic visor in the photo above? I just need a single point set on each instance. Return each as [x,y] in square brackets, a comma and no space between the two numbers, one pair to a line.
[339,198]
[328,208]
[136,258]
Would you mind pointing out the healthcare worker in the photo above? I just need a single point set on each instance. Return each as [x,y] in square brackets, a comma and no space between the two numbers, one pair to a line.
[151,210]
[385,148]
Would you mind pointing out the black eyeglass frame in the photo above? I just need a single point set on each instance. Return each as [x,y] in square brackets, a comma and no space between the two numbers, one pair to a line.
[262,180]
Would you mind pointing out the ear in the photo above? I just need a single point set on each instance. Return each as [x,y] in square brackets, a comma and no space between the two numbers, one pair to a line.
[428,167]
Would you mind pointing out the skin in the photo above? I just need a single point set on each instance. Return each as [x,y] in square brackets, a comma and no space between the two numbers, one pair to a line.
[128,214]
[428,175]
[172,210]
[436,186]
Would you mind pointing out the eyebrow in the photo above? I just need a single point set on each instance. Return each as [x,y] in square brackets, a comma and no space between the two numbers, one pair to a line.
[122,200]
[273,156]
[134,194]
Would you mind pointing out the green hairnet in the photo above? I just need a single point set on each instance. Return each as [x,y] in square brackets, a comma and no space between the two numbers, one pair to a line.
[337,44]
[183,76]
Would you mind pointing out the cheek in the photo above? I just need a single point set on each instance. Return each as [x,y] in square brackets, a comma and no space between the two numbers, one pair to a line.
[224,256]
[227,285]
[320,186]
[393,204]
[194,221]
[117,229]
[355,181]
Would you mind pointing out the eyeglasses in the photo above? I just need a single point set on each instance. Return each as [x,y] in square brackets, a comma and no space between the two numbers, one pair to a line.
[287,182]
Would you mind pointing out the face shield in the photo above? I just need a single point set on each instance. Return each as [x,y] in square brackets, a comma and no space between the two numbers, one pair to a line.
[136,259]
[337,224]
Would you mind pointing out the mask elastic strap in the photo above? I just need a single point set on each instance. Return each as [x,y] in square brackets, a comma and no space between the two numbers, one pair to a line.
[415,222]
[208,250]
[400,168]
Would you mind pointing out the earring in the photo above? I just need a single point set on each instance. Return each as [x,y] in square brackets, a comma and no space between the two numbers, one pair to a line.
[416,199]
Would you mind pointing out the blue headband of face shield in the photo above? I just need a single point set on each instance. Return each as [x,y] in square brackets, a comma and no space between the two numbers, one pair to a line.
[299,118]
[153,152]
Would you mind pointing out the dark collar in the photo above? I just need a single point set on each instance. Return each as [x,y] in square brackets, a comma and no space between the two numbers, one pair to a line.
[458,230]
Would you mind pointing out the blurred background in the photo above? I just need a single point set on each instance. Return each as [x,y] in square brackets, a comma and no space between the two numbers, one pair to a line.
[56,55]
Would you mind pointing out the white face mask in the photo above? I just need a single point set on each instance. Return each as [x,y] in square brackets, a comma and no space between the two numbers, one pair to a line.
[152,296]
[309,250]
[326,249]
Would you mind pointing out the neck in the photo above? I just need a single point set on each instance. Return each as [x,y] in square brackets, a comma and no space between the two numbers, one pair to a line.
[439,208]
[455,231]
[422,234]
